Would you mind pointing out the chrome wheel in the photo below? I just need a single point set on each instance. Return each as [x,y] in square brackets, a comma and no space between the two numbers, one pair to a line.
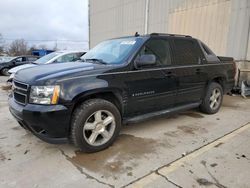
[215,99]
[99,128]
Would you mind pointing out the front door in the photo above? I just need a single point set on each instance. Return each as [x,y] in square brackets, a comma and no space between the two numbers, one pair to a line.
[152,88]
[20,61]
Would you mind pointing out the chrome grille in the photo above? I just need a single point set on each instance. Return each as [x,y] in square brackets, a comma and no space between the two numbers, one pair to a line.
[20,92]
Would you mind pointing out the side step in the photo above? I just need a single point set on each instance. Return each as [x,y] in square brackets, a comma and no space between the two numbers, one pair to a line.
[169,111]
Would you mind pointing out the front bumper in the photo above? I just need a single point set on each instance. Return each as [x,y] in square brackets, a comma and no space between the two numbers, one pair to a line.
[50,123]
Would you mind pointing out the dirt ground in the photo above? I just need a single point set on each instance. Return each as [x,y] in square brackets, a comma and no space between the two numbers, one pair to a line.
[189,149]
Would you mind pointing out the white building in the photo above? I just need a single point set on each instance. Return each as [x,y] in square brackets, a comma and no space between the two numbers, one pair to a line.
[223,24]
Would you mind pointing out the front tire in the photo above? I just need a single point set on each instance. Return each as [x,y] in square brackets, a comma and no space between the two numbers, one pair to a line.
[95,125]
[4,71]
[213,99]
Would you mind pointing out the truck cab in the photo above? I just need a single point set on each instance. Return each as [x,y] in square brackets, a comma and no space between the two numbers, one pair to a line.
[120,81]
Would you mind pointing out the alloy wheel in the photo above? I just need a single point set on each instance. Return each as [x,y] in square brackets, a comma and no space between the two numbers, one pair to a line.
[99,128]
[215,99]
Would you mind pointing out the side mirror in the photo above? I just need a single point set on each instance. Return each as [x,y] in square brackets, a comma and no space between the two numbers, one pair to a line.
[145,60]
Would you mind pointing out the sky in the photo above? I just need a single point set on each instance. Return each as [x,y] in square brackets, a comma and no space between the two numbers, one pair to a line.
[46,22]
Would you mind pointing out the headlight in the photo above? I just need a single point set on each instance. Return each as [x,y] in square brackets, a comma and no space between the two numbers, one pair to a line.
[44,94]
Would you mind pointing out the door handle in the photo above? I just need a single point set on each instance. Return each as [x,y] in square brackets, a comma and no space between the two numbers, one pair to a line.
[198,71]
[169,74]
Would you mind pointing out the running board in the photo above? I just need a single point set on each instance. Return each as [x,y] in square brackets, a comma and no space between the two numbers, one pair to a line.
[169,111]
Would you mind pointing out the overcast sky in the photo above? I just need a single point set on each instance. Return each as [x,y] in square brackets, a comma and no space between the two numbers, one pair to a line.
[63,20]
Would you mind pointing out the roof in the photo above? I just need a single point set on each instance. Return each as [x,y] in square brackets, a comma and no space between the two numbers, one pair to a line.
[156,34]
[168,34]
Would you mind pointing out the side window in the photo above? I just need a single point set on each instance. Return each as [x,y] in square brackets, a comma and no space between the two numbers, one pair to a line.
[206,49]
[18,59]
[186,52]
[65,58]
[160,48]
[77,57]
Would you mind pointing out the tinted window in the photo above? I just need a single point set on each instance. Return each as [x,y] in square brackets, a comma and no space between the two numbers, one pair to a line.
[160,48]
[206,49]
[186,52]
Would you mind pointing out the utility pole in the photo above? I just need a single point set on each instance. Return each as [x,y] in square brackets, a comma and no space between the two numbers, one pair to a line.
[146,17]
[89,23]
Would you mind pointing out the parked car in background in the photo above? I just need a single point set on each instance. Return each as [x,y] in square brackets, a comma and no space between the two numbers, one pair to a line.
[54,57]
[123,80]
[5,58]
[7,63]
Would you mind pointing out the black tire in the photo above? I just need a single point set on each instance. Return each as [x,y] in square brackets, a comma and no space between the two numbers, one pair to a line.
[4,71]
[206,102]
[83,113]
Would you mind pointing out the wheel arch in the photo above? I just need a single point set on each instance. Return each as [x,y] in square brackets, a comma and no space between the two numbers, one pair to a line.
[112,95]
[217,79]
[2,68]
[220,80]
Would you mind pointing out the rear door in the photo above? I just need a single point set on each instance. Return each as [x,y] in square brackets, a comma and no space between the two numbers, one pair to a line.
[152,88]
[189,71]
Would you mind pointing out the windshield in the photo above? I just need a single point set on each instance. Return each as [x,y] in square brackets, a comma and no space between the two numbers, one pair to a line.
[113,51]
[46,58]
[6,59]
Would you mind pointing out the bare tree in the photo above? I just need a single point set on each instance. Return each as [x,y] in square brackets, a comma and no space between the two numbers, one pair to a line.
[18,47]
[1,43]
[33,47]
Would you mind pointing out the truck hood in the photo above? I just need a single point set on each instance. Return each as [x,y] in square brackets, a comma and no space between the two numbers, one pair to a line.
[51,73]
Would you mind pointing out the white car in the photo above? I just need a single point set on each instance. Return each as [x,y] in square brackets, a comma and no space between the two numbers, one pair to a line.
[54,57]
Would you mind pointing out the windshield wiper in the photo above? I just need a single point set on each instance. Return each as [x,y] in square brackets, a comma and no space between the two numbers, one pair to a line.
[100,61]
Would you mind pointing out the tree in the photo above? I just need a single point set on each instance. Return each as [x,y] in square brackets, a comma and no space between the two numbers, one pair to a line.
[33,47]
[1,43]
[18,47]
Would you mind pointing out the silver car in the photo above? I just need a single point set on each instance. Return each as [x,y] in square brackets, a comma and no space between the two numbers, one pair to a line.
[54,57]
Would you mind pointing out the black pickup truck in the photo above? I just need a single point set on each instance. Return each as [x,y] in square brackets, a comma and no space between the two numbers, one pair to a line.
[121,81]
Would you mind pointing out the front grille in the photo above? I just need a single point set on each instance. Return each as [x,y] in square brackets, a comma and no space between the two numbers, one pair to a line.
[20,92]
[21,85]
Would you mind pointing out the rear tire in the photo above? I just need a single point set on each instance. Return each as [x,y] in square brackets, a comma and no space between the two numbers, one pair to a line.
[95,125]
[213,99]
[4,71]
